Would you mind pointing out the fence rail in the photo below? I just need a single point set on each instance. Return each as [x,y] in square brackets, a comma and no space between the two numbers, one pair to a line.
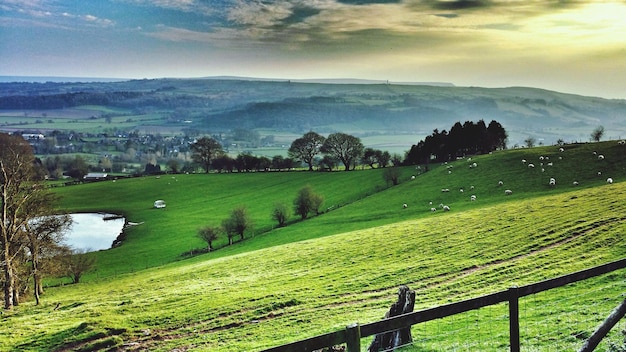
[353,333]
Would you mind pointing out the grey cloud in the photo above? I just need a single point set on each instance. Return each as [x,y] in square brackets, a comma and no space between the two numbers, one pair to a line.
[368,2]
[299,14]
[458,4]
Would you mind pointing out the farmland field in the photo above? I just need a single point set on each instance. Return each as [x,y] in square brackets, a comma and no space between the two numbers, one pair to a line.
[344,265]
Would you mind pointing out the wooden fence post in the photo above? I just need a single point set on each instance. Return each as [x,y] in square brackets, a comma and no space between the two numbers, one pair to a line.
[514,319]
[604,328]
[353,337]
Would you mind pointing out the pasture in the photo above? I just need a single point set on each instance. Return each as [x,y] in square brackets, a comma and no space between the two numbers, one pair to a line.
[343,266]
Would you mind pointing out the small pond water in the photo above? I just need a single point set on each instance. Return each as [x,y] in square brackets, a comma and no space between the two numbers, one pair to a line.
[94,231]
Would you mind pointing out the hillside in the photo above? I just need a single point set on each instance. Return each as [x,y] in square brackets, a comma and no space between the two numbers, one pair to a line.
[321,274]
[262,297]
[217,106]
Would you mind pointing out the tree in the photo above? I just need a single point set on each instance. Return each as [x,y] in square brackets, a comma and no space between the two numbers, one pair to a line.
[307,201]
[383,158]
[597,134]
[18,188]
[344,147]
[205,150]
[369,157]
[306,148]
[530,142]
[77,263]
[238,222]
[209,234]
[280,213]
[392,175]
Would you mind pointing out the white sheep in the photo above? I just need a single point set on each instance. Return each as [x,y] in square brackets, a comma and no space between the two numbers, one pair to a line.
[575,183]
[445,190]
[552,182]
[609,180]
[541,157]
[433,209]
[508,192]
[561,150]
[474,164]
[531,165]
[412,177]
[621,142]
[446,208]
[600,157]
[404,205]
[472,197]
[550,164]
[500,183]
[523,161]
[472,187]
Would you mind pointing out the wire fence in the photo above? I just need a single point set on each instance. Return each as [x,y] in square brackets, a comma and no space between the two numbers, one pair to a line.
[556,320]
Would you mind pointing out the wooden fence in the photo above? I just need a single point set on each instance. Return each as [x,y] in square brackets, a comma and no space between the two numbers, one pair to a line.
[352,335]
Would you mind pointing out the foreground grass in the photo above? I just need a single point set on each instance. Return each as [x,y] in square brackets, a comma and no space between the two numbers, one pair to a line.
[265,297]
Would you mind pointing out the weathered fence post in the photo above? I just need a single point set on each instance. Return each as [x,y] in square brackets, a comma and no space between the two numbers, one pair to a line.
[514,319]
[604,328]
[388,341]
[353,337]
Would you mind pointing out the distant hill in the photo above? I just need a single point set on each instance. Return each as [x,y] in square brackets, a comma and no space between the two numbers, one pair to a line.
[362,108]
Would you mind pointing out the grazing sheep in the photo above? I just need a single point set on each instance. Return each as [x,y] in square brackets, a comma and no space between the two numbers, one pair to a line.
[575,183]
[461,190]
[599,173]
[550,164]
[561,150]
[449,172]
[500,183]
[552,182]
[433,209]
[541,157]
[404,205]
[445,190]
[543,170]
[472,197]
[508,192]
[600,157]
[472,187]
[523,161]
[621,142]
[594,153]
[531,165]
[609,180]
[412,177]
[446,208]
[474,164]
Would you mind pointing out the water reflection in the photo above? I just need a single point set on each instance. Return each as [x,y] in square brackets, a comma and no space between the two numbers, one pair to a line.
[94,231]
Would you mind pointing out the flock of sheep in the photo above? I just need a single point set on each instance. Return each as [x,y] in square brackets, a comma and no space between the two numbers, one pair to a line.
[543,162]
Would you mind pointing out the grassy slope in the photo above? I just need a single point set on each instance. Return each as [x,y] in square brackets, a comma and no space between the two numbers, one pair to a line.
[260,294]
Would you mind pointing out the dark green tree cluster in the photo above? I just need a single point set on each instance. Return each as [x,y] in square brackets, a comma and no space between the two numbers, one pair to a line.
[466,139]
[237,224]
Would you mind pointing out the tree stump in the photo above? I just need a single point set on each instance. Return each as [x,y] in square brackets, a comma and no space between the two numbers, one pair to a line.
[389,341]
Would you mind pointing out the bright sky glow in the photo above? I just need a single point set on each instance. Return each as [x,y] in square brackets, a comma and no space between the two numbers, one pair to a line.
[574,46]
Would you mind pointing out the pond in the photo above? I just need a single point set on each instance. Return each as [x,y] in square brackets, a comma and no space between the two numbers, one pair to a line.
[94,231]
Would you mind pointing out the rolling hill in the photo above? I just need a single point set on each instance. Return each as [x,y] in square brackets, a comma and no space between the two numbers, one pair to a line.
[220,105]
[318,275]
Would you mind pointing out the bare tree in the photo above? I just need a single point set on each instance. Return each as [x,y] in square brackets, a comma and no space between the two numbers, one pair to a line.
[18,191]
[530,142]
[238,222]
[77,263]
[45,235]
[209,234]
[597,134]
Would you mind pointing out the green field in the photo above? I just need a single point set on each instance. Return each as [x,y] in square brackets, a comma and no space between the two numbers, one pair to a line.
[319,275]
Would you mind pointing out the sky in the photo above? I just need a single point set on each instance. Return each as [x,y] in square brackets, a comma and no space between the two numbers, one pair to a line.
[571,46]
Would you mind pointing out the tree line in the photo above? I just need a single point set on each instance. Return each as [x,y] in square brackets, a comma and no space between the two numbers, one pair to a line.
[463,139]
[31,231]
[306,202]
